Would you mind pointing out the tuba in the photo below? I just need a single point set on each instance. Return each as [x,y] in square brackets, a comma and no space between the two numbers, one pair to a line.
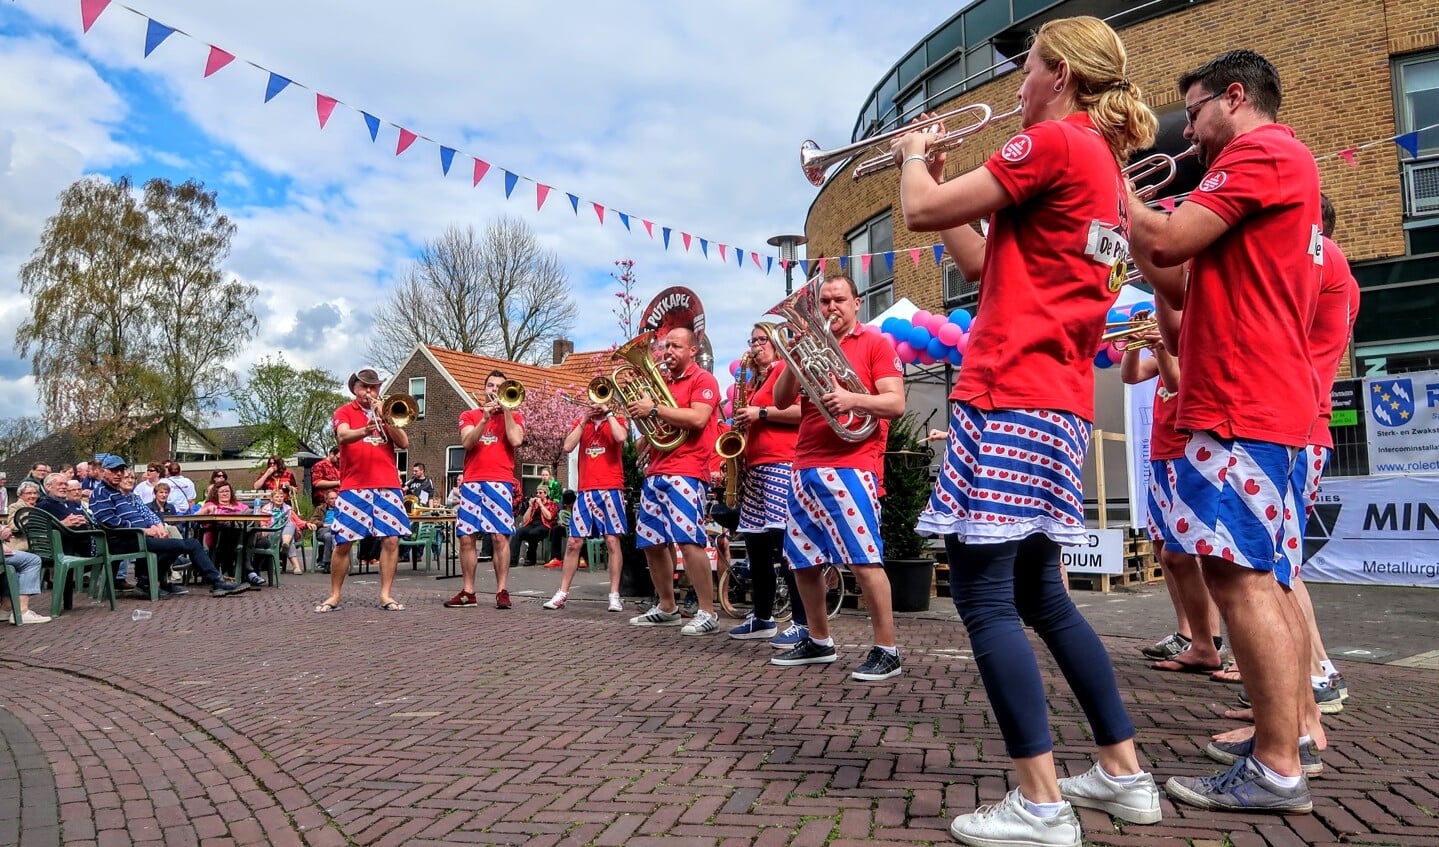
[640,379]
[803,339]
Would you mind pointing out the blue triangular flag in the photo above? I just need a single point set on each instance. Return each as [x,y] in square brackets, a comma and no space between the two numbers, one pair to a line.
[889,258]
[938,253]
[624,219]
[768,264]
[155,33]
[510,180]
[574,203]
[276,84]
[447,155]
[844,263]
[666,231]
[705,248]
[804,267]
[373,123]
[1409,141]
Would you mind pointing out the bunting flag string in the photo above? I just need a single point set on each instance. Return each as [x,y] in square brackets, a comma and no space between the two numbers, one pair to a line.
[156,33]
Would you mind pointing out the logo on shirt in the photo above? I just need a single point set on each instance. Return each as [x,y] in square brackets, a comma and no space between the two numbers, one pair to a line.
[1213,181]
[1392,402]
[1016,148]
[1316,244]
[488,438]
[594,451]
[707,394]
[1108,246]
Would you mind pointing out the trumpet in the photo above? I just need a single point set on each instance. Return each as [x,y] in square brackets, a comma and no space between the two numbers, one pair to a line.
[803,339]
[1142,322]
[640,379]
[1154,165]
[816,162]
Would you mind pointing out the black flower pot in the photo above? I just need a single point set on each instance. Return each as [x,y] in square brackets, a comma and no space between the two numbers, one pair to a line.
[911,582]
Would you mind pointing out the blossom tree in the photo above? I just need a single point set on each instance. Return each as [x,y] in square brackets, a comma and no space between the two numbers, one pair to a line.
[628,309]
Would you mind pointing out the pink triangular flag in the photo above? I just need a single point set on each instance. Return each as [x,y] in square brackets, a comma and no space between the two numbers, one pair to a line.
[481,168]
[686,237]
[541,192]
[599,212]
[821,264]
[406,139]
[649,227]
[1166,203]
[864,261]
[217,60]
[324,107]
[90,10]
[755,256]
[1348,155]
[914,255]
[723,257]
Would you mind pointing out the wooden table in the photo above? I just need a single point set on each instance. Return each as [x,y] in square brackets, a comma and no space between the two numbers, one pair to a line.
[445,526]
[241,520]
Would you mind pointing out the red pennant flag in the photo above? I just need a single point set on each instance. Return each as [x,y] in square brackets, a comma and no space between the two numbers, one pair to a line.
[821,264]
[755,256]
[406,139]
[686,237]
[481,168]
[90,10]
[723,257]
[864,261]
[1166,203]
[599,212]
[541,192]
[324,107]
[1348,155]
[218,59]
[914,255]
[649,227]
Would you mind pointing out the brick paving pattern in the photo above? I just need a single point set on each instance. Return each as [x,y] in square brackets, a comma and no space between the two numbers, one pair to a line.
[250,720]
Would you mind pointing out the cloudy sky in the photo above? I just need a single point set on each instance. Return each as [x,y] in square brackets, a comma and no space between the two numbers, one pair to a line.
[687,115]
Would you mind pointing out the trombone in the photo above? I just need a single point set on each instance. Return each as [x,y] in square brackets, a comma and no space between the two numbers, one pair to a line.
[396,410]
[510,395]
[1154,165]
[816,162]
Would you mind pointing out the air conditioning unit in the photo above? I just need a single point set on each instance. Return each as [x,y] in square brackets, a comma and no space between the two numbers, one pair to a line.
[1421,188]
[958,291]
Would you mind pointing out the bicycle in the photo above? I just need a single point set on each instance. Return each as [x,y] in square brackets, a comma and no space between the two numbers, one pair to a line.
[736,596]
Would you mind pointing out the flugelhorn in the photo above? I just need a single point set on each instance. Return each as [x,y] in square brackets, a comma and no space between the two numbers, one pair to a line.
[640,379]
[1151,166]
[817,162]
[803,339]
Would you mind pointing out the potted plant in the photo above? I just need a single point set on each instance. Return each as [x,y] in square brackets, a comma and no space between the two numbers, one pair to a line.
[907,486]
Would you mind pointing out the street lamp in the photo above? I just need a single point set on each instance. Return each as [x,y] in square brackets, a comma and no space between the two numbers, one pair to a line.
[787,245]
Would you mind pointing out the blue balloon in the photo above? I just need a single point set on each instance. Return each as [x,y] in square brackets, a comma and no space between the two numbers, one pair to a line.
[938,349]
[1116,316]
[956,358]
[918,337]
[961,318]
[1101,360]
[891,325]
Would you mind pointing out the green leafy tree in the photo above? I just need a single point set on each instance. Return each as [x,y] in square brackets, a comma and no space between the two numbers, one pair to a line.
[289,406]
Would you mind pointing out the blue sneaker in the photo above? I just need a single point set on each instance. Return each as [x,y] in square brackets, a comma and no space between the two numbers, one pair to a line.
[790,638]
[1242,789]
[753,629]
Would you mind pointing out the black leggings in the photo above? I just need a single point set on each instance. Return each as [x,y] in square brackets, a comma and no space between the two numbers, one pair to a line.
[765,550]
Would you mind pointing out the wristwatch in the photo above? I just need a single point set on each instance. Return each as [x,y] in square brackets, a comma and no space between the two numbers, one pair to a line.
[655,410]
[763,412]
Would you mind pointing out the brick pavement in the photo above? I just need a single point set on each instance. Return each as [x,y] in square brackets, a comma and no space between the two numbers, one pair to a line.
[249,720]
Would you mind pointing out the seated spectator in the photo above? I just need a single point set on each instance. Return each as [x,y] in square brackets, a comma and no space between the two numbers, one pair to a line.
[535,526]
[276,476]
[113,509]
[38,472]
[324,538]
[162,505]
[180,486]
[27,494]
[216,477]
[453,500]
[325,477]
[285,517]
[66,510]
[27,568]
[226,539]
[4,496]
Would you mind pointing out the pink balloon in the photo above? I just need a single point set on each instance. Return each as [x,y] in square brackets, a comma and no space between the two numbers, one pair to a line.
[963,343]
[729,393]
[921,318]
[734,368]
[1115,354]
[935,322]
[949,334]
[925,358]
[905,351]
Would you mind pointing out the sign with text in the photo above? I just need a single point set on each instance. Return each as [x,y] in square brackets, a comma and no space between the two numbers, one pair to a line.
[1102,553]
[1403,417]
[1374,530]
[1140,401]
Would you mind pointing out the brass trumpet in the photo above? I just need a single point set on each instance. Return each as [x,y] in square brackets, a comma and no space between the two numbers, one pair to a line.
[1123,331]
[816,162]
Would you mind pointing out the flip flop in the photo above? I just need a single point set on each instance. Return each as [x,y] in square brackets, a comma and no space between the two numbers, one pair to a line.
[1229,674]
[327,607]
[393,606]
[1171,666]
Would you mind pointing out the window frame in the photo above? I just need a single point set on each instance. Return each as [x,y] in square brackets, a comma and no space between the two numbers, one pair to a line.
[418,395]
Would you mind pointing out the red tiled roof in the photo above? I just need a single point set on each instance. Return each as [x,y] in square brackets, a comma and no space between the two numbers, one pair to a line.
[573,374]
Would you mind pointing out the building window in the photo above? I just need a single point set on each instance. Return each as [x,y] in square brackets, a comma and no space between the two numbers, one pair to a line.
[1417,83]
[402,461]
[454,466]
[877,284]
[959,293]
[530,478]
[417,390]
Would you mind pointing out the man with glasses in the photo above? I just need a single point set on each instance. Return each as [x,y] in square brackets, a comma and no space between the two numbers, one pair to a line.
[1251,231]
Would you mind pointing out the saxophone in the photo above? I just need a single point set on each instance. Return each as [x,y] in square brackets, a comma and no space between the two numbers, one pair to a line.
[731,443]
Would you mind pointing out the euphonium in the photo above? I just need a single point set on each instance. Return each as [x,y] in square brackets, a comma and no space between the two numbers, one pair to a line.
[641,379]
[804,341]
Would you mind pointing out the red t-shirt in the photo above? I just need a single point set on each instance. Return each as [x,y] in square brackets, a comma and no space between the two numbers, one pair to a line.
[692,458]
[1334,318]
[1244,341]
[283,478]
[322,471]
[1053,266]
[369,463]
[872,358]
[1165,442]
[493,458]
[766,441]
[601,460]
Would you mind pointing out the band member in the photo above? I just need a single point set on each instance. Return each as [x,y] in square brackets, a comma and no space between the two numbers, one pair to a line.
[370,504]
[673,498]
[1248,399]
[489,435]
[828,472]
[599,509]
[1009,494]
[770,434]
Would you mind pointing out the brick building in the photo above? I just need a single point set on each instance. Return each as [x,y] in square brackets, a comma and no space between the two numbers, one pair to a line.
[1353,72]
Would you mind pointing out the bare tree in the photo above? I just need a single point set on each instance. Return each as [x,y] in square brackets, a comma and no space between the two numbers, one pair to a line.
[497,293]
[18,433]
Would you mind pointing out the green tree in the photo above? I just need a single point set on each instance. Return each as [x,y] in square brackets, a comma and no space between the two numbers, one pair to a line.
[289,406]
[131,318]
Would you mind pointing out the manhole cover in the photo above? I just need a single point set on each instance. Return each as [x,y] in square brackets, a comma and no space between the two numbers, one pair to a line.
[1362,654]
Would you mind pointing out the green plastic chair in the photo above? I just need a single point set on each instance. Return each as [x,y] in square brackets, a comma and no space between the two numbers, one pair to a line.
[12,580]
[47,540]
[262,550]
[424,538]
[142,558]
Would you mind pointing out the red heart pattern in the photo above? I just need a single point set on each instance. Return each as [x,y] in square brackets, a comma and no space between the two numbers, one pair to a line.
[1203,454]
[1251,487]
[1203,548]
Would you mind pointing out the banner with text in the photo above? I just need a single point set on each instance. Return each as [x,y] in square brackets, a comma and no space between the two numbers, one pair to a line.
[1375,530]
[1140,401]
[1103,553]
[1403,416]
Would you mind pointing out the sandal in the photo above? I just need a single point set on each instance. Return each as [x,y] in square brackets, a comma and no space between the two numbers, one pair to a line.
[1173,666]
[327,607]
[393,606]
[1228,672]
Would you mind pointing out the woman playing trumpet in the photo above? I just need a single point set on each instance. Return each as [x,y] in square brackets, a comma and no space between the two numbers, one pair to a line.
[1009,492]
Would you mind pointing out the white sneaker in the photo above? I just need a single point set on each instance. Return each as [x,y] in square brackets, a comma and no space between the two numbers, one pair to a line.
[1136,801]
[1008,824]
[657,617]
[31,616]
[616,604]
[703,623]
[557,601]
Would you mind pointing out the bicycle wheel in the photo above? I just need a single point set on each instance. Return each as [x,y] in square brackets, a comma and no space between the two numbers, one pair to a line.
[734,597]
[782,610]
[834,590]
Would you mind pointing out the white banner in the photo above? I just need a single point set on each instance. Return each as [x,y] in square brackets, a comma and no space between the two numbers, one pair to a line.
[1377,531]
[1140,401]
[1103,552]
[1403,413]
